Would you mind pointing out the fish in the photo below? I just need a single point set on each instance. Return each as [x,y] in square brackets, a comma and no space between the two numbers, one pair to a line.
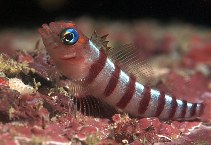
[85,62]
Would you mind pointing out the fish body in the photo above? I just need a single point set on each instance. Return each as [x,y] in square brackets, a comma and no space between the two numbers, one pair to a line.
[79,59]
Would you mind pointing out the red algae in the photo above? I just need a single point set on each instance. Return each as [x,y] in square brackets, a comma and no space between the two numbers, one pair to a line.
[23,57]
[199,55]
[190,88]
[4,83]
[45,116]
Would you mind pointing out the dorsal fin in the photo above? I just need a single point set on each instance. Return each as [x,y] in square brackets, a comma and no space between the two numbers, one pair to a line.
[130,59]
[133,62]
[100,42]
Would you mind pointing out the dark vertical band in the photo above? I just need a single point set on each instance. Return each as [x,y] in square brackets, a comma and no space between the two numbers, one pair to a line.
[145,100]
[161,103]
[96,67]
[201,109]
[127,95]
[193,109]
[183,108]
[112,82]
[173,107]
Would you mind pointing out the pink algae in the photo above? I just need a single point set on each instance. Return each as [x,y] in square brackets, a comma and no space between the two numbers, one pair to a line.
[200,54]
[4,83]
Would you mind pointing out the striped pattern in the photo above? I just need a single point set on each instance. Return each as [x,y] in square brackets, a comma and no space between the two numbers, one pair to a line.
[193,110]
[96,67]
[128,94]
[184,107]
[161,103]
[124,92]
[112,82]
[173,107]
[145,100]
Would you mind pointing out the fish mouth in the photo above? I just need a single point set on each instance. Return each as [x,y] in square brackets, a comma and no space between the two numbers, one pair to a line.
[69,56]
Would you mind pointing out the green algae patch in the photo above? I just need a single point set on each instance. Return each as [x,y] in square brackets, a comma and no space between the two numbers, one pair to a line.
[11,68]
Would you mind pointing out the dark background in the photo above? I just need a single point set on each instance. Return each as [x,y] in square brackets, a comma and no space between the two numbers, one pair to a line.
[30,13]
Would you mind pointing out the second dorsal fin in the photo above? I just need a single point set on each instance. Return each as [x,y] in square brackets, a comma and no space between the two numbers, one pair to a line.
[130,59]
[133,61]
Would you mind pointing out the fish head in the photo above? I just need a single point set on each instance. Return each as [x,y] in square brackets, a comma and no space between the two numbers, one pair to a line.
[68,47]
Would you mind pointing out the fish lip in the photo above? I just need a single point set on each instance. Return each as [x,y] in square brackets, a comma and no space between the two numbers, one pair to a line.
[69,56]
[73,59]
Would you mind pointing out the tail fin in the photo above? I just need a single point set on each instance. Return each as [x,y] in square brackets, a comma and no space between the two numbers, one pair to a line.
[206,115]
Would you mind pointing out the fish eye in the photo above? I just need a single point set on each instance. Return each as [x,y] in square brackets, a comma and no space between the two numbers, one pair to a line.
[69,36]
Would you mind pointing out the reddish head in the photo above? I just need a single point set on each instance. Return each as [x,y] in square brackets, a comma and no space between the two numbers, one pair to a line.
[69,48]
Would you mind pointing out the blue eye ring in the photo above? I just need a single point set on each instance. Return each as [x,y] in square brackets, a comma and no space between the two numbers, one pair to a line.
[69,36]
